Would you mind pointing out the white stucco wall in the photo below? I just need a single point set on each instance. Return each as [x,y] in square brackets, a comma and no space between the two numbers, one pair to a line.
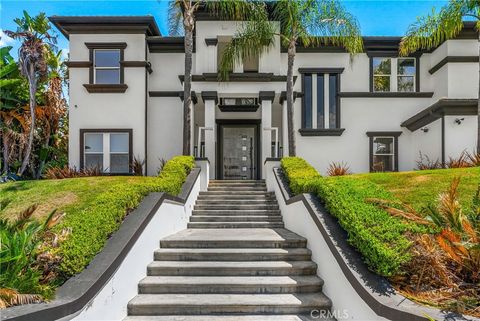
[459,138]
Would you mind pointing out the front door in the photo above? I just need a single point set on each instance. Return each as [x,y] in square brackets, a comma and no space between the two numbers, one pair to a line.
[238,151]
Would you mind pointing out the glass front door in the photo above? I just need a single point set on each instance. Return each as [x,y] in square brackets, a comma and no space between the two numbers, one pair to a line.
[238,154]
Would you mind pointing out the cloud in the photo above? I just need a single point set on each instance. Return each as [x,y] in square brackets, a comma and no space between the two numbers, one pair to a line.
[5,40]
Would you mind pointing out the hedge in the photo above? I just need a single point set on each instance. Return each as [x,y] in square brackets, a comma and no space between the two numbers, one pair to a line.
[91,228]
[377,235]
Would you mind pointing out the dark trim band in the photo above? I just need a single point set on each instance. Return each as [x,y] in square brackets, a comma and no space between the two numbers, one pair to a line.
[239,77]
[172,93]
[266,95]
[211,41]
[78,64]
[453,59]
[106,45]
[390,94]
[106,88]
[141,64]
[321,131]
[321,70]
[210,95]
[283,96]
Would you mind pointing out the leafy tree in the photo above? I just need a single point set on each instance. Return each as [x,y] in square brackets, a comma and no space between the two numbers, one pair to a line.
[309,22]
[432,30]
[34,34]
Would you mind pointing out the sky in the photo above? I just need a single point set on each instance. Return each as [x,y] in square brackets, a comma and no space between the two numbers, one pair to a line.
[376,17]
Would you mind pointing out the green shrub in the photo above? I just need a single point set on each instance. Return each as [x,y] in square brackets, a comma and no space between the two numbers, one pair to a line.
[299,173]
[93,226]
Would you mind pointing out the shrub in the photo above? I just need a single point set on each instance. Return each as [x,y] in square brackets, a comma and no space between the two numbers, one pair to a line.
[424,162]
[71,172]
[299,173]
[338,169]
[92,227]
[461,161]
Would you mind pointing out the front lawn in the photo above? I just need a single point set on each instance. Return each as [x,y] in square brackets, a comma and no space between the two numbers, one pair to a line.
[421,188]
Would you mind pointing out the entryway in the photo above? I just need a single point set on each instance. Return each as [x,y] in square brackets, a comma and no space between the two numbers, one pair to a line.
[238,153]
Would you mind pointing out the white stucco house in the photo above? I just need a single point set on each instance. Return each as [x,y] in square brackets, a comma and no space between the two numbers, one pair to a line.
[376,112]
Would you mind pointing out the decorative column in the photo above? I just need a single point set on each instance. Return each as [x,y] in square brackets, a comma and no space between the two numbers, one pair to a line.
[266,99]
[210,98]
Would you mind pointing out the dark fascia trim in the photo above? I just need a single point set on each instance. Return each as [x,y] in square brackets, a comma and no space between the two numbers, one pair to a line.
[383,133]
[167,45]
[211,41]
[453,59]
[321,70]
[78,64]
[390,94]
[443,107]
[202,159]
[210,95]
[283,96]
[105,88]
[238,108]
[105,130]
[272,159]
[266,95]
[239,77]
[172,93]
[75,294]
[193,96]
[321,131]
[372,288]
[142,64]
[106,45]
[105,24]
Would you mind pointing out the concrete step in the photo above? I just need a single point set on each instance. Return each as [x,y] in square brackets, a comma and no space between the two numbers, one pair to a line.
[241,193]
[236,197]
[244,201]
[228,238]
[241,254]
[234,317]
[233,181]
[236,218]
[231,268]
[229,225]
[236,188]
[236,207]
[229,284]
[204,304]
[236,212]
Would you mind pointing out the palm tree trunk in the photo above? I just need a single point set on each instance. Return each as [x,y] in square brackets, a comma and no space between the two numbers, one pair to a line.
[290,129]
[33,106]
[478,103]
[187,82]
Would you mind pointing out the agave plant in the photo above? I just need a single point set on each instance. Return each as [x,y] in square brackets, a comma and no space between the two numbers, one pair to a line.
[20,279]
[338,169]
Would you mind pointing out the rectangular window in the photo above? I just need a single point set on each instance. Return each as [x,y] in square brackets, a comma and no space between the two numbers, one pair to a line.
[108,151]
[106,66]
[406,74]
[221,46]
[320,101]
[383,154]
[382,69]
[332,101]
[308,100]
[250,64]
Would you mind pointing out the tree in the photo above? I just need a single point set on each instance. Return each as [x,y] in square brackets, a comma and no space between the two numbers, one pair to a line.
[181,13]
[432,30]
[34,34]
[309,22]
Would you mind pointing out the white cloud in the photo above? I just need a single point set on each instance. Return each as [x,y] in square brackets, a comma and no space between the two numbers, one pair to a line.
[5,40]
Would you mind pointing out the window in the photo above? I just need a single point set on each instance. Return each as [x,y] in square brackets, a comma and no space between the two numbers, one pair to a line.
[383,151]
[250,64]
[320,102]
[221,46]
[382,68]
[106,66]
[107,150]
[394,74]
[406,74]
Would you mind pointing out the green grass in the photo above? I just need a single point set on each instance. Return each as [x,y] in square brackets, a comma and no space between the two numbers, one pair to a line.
[421,188]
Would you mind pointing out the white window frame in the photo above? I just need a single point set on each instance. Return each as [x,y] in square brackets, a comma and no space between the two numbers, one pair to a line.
[414,74]
[95,68]
[383,75]
[106,149]
[392,154]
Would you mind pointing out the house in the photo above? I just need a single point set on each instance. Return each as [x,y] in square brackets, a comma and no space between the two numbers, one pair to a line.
[376,112]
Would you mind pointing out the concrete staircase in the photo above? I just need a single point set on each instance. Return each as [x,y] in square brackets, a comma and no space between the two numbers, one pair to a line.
[234,262]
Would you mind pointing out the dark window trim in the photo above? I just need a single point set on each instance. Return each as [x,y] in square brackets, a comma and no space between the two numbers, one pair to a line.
[105,88]
[321,131]
[395,136]
[106,45]
[393,55]
[321,70]
[452,59]
[83,131]
[211,41]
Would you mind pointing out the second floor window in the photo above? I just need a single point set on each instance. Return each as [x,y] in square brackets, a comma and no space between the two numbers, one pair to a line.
[107,66]
[394,74]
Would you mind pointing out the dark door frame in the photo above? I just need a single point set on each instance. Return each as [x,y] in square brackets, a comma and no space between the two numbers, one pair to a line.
[220,123]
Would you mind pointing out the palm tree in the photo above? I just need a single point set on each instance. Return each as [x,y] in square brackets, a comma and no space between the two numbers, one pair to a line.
[309,22]
[181,15]
[432,30]
[34,34]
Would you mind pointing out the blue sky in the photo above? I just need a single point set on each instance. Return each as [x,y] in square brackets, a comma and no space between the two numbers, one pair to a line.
[377,18]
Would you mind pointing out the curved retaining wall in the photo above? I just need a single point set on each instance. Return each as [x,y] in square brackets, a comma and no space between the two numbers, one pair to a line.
[103,289]
[356,292]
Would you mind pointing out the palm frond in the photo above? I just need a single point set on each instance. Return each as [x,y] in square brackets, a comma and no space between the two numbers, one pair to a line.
[175,18]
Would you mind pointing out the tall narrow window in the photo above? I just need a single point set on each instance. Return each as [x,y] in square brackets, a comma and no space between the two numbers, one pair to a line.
[221,46]
[308,100]
[383,154]
[93,150]
[119,160]
[107,66]
[382,69]
[406,74]
[332,101]
[320,101]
